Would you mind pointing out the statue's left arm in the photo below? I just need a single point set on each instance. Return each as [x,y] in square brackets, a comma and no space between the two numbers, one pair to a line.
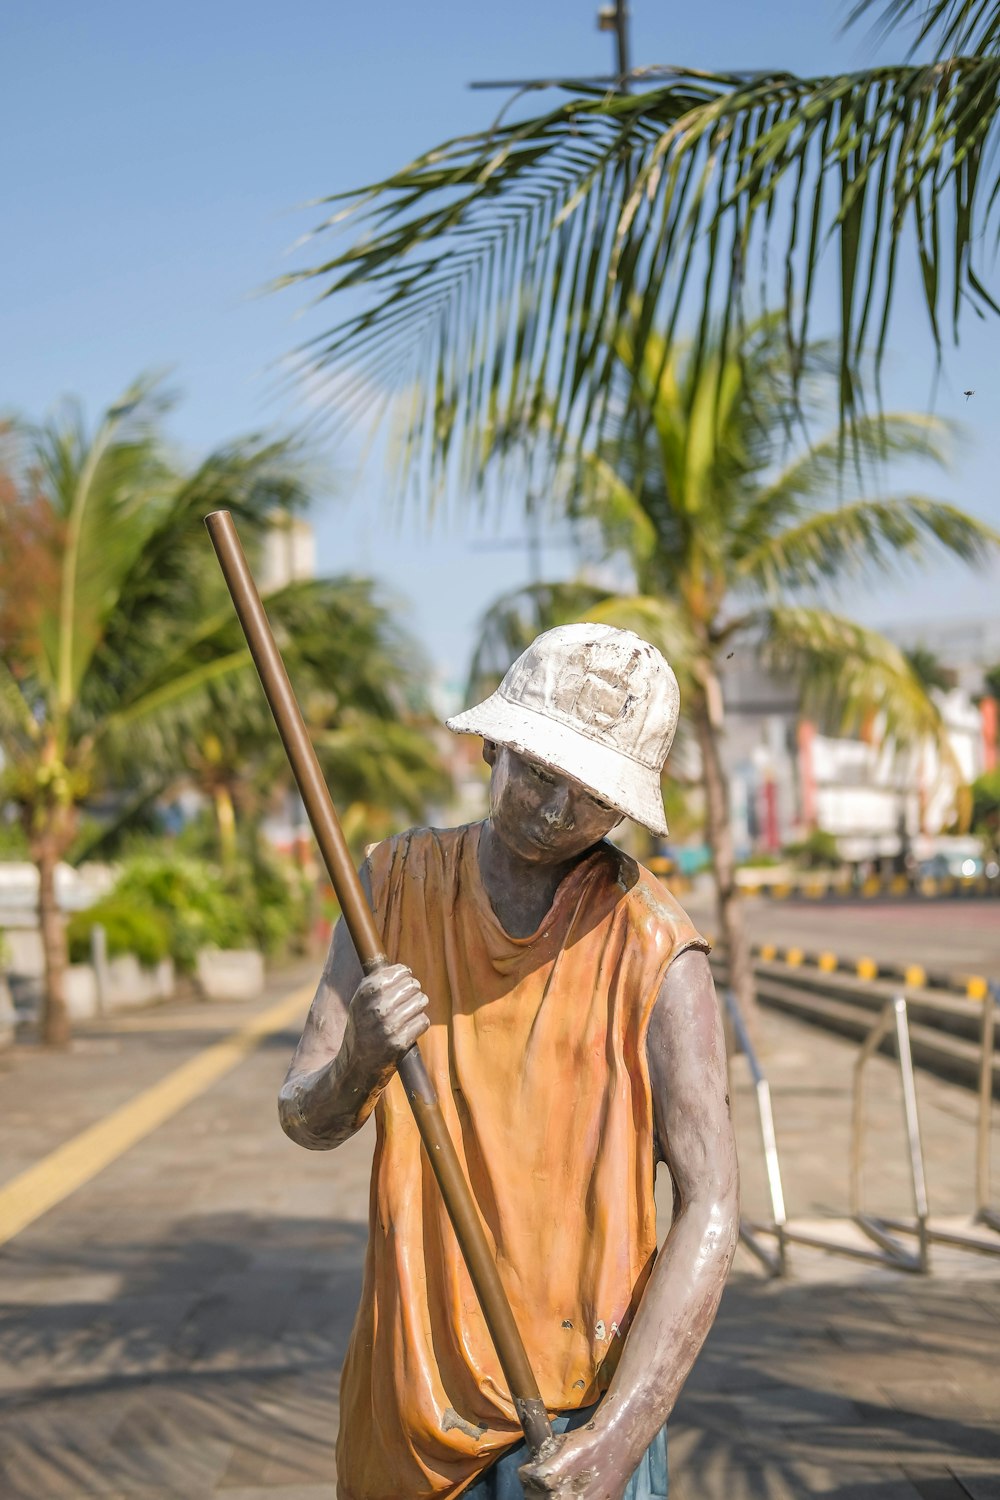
[687,1069]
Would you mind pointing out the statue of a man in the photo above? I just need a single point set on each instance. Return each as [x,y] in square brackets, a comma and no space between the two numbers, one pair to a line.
[565,1010]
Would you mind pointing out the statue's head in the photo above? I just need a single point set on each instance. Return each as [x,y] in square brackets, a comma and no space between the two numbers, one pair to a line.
[577,735]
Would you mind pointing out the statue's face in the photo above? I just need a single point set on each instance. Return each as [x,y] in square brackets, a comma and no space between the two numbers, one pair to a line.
[540,815]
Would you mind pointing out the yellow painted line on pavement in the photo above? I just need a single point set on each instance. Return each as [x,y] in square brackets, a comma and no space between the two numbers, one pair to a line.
[205,1020]
[41,1187]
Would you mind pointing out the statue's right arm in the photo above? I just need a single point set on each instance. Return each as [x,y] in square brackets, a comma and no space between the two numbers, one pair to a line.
[355,1033]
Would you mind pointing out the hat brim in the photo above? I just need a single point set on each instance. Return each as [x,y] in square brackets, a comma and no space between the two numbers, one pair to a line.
[630,788]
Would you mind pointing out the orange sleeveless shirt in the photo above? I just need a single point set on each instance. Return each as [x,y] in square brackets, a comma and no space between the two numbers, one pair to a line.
[537,1050]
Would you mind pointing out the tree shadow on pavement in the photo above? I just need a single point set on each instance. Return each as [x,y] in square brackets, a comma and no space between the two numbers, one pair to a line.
[208,1358]
[205,1361]
[881,1390]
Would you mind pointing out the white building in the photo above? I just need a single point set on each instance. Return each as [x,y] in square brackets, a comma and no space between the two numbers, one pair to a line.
[289,553]
[787,778]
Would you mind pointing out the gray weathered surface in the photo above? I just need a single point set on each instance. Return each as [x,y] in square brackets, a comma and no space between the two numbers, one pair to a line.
[175,1328]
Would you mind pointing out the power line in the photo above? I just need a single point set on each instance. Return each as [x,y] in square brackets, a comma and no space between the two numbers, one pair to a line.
[609,18]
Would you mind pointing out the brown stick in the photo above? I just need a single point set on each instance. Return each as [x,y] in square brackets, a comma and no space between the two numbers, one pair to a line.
[420,1090]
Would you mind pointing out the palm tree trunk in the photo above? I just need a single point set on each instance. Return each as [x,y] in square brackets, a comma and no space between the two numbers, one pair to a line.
[720,840]
[55,1012]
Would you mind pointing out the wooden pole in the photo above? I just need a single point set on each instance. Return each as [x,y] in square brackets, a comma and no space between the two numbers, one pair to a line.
[357,914]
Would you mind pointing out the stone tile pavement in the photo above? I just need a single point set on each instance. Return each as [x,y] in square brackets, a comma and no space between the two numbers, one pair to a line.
[174,1330]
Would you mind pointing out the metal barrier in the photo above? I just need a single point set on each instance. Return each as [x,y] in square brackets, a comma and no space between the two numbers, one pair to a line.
[984,1216]
[886,1251]
[886,1248]
[986,1213]
[774,1261]
[893,1018]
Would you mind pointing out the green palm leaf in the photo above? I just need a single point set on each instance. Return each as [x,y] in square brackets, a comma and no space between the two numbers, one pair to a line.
[958,25]
[513,621]
[850,674]
[864,537]
[502,259]
[123,669]
[820,469]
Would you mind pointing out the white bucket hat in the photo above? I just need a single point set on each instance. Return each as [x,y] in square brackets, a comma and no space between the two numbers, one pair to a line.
[595,703]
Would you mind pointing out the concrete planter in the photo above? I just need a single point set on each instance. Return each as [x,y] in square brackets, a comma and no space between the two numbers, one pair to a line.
[230,973]
[8,1015]
[130,983]
[81,992]
[127,983]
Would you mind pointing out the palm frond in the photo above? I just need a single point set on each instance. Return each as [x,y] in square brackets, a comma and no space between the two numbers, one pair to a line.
[510,625]
[105,488]
[956,26]
[16,719]
[821,470]
[173,585]
[501,266]
[379,763]
[850,674]
[173,704]
[864,537]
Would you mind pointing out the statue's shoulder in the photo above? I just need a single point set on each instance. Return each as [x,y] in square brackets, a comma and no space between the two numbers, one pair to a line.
[655,916]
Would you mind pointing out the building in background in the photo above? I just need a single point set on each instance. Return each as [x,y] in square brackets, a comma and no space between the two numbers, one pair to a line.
[289,556]
[289,553]
[788,779]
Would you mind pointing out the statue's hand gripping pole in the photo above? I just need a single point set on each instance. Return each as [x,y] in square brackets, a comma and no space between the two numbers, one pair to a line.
[361,925]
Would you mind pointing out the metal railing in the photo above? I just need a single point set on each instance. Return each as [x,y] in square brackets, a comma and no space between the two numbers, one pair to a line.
[882,1231]
[886,1250]
[986,1213]
[980,1235]
[892,1019]
[775,1261]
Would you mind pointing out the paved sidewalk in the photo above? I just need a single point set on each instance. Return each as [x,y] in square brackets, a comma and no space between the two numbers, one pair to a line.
[850,1380]
[174,1330]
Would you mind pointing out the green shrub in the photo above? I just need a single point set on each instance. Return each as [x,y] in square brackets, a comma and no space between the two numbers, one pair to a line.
[189,895]
[13,841]
[817,851]
[129,928]
[760,862]
[275,898]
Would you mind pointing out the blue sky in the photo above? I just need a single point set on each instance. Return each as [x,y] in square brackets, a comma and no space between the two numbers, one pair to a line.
[157,160]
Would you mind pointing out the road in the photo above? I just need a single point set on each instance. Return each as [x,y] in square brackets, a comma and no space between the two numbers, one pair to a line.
[173,1325]
[958,935]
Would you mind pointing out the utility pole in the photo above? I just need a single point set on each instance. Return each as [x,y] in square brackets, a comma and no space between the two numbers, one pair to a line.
[615,18]
[609,18]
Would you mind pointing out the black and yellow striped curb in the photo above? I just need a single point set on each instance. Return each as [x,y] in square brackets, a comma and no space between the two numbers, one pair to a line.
[913,976]
[818,888]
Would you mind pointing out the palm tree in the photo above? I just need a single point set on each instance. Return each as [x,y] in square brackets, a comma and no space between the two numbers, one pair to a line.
[501,265]
[119,650]
[686,485]
[930,669]
[357,675]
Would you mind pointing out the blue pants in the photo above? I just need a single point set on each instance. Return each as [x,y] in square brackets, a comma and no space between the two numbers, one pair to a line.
[500,1481]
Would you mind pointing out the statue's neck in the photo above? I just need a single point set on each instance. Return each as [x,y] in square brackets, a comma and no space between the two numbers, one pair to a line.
[521,891]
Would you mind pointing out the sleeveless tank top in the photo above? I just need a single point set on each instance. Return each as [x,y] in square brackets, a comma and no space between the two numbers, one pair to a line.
[537,1050]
